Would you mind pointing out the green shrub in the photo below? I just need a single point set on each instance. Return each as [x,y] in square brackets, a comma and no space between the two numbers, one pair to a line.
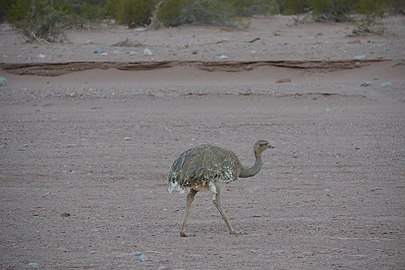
[333,10]
[131,12]
[5,5]
[198,12]
[171,12]
[290,7]
[19,11]
[247,8]
[37,20]
[212,12]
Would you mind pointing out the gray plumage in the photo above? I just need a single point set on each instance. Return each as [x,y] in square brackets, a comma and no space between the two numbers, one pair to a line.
[209,167]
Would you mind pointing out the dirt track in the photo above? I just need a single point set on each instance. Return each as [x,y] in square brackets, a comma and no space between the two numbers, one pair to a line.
[84,158]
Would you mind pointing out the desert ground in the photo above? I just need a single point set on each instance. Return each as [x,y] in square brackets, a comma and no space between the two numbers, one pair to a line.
[84,155]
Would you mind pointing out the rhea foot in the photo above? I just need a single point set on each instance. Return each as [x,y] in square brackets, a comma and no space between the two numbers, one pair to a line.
[237,233]
[183,234]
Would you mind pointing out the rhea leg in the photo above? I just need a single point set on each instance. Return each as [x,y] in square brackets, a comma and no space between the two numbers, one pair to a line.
[190,199]
[217,202]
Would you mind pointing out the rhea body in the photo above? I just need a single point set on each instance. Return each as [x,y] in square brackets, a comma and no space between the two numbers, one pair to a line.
[208,168]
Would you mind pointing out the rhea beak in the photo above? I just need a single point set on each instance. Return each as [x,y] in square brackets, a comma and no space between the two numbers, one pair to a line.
[269,146]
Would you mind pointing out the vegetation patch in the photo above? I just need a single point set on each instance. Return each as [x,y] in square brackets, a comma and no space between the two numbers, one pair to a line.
[46,19]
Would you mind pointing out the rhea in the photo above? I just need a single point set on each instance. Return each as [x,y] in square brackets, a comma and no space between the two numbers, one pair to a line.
[209,168]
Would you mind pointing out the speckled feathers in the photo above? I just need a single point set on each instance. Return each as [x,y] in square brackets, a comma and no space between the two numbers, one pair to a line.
[201,165]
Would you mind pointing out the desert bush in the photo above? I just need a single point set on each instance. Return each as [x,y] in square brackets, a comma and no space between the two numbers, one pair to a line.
[212,12]
[131,12]
[4,7]
[248,8]
[290,7]
[334,10]
[37,20]
[202,12]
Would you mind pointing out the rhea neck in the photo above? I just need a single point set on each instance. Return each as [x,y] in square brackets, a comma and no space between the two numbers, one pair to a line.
[251,171]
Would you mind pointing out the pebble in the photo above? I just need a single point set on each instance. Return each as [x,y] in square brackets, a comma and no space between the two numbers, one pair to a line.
[41,56]
[33,265]
[3,81]
[65,214]
[141,256]
[365,84]
[99,50]
[147,52]
[223,57]
[360,57]
[386,84]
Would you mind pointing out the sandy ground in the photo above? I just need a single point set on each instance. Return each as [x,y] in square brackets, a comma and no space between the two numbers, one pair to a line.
[84,155]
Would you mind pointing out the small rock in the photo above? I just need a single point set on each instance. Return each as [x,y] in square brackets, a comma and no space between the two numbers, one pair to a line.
[99,50]
[33,265]
[386,84]
[3,81]
[104,53]
[65,214]
[127,138]
[194,52]
[283,80]
[141,256]
[41,56]
[147,52]
[365,84]
[116,52]
[360,57]
[247,93]
[223,57]
[132,53]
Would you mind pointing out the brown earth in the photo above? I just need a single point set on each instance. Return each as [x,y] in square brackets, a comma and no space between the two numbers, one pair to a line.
[84,155]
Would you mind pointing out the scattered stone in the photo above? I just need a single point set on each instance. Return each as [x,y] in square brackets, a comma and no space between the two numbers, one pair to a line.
[147,52]
[365,84]
[194,52]
[116,52]
[360,57]
[140,29]
[3,81]
[127,138]
[283,80]
[386,84]
[141,257]
[247,93]
[41,56]
[65,214]
[33,265]
[132,52]
[99,51]
[223,57]
[104,53]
